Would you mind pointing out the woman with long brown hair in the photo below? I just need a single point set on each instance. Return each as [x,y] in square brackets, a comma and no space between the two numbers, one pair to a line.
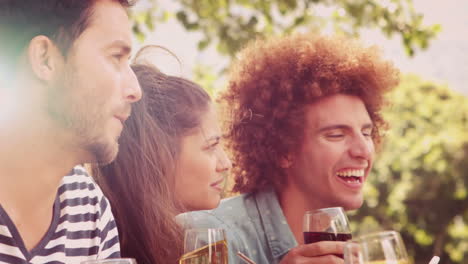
[170,161]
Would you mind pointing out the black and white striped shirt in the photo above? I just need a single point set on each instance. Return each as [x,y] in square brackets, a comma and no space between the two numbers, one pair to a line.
[82,227]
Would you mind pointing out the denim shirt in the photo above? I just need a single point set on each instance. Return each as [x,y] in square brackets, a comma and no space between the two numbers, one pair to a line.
[254,223]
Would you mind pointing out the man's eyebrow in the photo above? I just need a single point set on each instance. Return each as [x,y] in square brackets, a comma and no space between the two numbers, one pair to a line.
[122,45]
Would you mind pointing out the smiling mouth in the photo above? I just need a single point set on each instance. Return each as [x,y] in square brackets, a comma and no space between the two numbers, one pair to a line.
[352,176]
[217,184]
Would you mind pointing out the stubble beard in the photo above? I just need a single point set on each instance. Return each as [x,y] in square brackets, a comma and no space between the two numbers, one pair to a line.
[81,117]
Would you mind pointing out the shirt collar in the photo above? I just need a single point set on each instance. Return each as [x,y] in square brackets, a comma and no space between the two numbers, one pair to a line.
[277,231]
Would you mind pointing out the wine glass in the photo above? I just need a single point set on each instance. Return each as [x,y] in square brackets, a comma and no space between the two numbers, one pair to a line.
[205,246]
[111,261]
[326,224]
[385,247]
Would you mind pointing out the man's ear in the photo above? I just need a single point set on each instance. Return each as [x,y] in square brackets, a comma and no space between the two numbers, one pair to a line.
[286,162]
[44,58]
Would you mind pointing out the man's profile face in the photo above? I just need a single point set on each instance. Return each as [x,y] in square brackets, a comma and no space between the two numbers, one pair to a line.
[337,153]
[92,98]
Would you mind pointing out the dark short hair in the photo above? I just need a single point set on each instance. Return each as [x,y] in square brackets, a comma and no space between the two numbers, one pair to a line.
[62,21]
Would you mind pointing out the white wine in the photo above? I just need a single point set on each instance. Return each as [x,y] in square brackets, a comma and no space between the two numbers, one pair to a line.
[215,253]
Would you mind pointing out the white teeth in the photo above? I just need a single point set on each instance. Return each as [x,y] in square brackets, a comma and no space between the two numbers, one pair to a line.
[351,173]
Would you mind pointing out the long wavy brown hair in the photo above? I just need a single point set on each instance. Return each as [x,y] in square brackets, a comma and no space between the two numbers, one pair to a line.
[140,182]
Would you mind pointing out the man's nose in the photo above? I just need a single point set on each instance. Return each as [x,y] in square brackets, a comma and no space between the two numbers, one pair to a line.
[224,163]
[362,147]
[132,87]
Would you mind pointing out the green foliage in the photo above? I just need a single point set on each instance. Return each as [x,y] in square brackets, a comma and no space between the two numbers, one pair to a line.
[229,24]
[206,78]
[419,182]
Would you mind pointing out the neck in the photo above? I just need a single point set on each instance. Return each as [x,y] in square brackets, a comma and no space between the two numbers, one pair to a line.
[294,204]
[34,162]
[31,168]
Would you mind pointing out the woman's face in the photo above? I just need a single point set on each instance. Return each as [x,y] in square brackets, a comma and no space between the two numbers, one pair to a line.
[199,177]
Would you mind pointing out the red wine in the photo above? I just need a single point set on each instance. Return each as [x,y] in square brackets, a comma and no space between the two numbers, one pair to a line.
[312,237]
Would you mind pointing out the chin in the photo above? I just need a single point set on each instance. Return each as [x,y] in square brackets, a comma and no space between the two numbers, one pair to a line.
[199,208]
[209,204]
[352,204]
[203,200]
[216,204]
[104,153]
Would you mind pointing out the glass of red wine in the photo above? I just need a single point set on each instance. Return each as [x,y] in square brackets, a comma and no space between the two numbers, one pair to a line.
[326,224]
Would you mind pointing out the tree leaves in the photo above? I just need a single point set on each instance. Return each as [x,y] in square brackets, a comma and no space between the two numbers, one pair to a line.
[422,172]
[229,24]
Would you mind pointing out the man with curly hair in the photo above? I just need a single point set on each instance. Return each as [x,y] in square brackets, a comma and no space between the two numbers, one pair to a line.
[306,116]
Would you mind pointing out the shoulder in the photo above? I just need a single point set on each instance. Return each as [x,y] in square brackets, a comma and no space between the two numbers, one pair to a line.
[79,190]
[85,214]
[230,211]
[238,216]
[78,179]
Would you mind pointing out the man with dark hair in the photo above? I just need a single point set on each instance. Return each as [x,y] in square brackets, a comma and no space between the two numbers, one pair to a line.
[66,89]
[306,116]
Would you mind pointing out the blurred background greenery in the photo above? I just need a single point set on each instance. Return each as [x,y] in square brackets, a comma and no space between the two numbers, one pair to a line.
[419,182]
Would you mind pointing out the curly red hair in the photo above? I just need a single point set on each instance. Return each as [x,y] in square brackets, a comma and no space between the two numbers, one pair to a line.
[272,82]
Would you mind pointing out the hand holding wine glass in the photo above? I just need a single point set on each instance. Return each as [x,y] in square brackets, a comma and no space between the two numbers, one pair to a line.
[324,230]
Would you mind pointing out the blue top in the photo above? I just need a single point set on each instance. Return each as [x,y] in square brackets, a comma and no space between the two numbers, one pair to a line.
[254,223]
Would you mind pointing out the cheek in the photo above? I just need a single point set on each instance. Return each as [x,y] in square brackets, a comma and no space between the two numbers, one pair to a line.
[206,166]
[106,77]
[193,172]
[328,153]
[372,148]
[193,184]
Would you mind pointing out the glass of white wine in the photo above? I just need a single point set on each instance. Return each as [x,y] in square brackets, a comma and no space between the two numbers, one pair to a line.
[205,246]
[385,247]
[111,261]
